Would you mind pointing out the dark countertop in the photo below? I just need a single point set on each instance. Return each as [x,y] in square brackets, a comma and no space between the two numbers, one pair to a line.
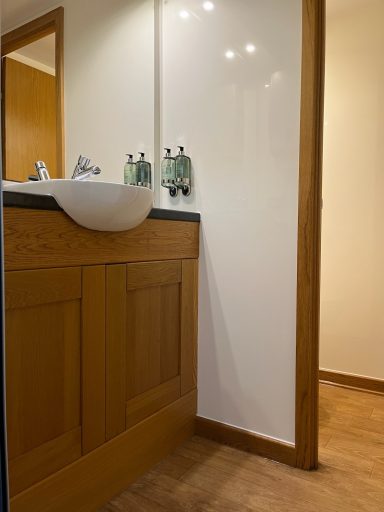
[36,202]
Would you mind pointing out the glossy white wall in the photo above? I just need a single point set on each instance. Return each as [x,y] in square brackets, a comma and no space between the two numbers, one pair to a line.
[237,114]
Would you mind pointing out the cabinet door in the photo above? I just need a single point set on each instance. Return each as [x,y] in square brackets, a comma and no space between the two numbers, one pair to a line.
[45,312]
[148,307]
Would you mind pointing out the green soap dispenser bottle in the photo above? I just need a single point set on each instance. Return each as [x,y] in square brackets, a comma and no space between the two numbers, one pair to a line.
[183,172]
[144,175]
[168,173]
[130,173]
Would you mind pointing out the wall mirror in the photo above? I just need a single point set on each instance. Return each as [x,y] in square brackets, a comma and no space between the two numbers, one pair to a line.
[90,84]
[32,97]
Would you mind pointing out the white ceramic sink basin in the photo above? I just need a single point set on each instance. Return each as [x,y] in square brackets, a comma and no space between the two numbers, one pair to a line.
[94,204]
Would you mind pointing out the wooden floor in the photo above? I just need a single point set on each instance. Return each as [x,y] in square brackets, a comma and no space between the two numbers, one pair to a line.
[205,476]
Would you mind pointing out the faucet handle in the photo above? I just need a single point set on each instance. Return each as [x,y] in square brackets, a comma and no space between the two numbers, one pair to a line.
[42,170]
[83,162]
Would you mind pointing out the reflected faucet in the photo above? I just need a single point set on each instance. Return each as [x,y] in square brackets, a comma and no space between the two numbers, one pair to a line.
[83,171]
[42,172]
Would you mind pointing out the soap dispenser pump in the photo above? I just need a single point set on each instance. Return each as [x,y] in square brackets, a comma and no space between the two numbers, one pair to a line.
[130,173]
[183,172]
[168,173]
[143,169]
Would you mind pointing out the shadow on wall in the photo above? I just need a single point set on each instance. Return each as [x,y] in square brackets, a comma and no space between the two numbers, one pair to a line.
[218,374]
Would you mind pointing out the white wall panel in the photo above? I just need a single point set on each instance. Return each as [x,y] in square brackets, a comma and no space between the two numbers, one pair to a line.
[239,121]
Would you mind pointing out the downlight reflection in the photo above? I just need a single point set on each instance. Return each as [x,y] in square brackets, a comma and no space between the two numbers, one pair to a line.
[208,6]
[184,14]
[230,54]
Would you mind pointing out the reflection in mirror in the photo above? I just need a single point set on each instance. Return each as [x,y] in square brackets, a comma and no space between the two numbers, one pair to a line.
[107,79]
[29,101]
[32,95]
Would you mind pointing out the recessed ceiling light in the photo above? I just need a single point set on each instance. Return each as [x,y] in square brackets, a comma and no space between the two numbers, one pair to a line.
[208,6]
[184,14]
[230,54]
[267,85]
[251,48]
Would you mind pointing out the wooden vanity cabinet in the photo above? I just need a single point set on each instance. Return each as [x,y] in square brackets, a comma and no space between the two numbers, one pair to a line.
[91,352]
[101,333]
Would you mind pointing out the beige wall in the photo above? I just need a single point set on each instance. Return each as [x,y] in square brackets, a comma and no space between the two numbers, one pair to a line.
[352,294]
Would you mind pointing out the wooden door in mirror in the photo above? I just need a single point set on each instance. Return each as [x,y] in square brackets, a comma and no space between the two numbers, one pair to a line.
[33,97]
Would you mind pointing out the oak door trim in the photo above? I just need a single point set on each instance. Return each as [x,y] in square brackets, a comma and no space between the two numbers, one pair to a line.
[52,22]
[309,234]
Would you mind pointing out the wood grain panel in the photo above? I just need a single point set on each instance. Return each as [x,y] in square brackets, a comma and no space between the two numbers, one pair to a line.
[352,381]
[246,441]
[43,373]
[29,99]
[42,239]
[153,326]
[44,460]
[144,405]
[93,358]
[116,349]
[189,310]
[89,482]
[143,340]
[33,287]
[142,275]
[308,248]
[170,332]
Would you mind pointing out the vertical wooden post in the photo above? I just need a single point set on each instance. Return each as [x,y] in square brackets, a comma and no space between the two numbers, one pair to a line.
[309,223]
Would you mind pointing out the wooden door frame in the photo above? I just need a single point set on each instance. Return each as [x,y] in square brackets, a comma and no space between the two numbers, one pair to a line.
[52,22]
[309,234]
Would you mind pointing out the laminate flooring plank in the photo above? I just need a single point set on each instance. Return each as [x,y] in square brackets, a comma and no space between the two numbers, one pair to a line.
[203,476]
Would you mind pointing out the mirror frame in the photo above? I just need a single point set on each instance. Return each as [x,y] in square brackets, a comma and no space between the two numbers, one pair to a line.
[52,22]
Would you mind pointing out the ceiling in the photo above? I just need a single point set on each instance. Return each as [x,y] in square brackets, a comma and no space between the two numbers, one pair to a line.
[17,12]
[42,50]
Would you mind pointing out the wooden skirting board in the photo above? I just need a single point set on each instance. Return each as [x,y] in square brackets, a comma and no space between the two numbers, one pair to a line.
[246,441]
[352,381]
[91,481]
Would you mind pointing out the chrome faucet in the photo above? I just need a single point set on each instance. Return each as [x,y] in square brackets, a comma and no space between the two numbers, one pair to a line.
[83,171]
[42,172]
